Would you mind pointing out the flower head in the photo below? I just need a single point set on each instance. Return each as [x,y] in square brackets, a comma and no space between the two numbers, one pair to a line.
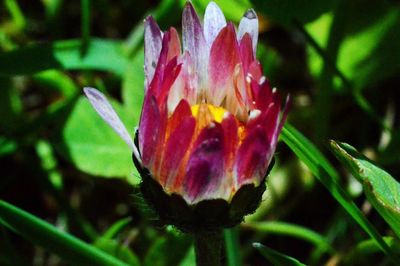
[210,121]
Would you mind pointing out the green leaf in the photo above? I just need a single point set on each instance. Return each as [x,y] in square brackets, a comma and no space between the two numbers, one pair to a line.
[168,250]
[232,247]
[275,257]
[328,176]
[287,11]
[381,189]
[116,228]
[68,247]
[371,42]
[297,231]
[233,10]
[94,147]
[117,250]
[110,243]
[133,86]
[105,55]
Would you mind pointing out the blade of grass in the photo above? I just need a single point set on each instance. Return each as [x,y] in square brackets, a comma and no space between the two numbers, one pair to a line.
[85,24]
[46,235]
[297,231]
[327,175]
[232,247]
[275,257]
[381,189]
[16,13]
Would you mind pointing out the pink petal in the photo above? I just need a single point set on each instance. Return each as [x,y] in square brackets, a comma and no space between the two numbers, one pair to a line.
[205,167]
[152,47]
[253,157]
[149,129]
[214,21]
[174,44]
[224,56]
[246,52]
[193,39]
[175,149]
[249,24]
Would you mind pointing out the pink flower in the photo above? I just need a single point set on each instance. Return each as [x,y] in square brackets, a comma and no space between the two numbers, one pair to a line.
[210,121]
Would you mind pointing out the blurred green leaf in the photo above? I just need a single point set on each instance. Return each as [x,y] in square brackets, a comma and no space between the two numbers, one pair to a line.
[7,146]
[117,250]
[233,10]
[105,55]
[189,259]
[94,147]
[232,247]
[287,11]
[110,243]
[68,247]
[297,231]
[10,106]
[381,189]
[371,45]
[57,80]
[133,87]
[168,250]
[328,176]
[116,228]
[275,257]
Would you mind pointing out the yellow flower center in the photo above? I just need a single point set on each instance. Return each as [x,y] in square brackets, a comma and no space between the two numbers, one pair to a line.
[205,114]
[216,112]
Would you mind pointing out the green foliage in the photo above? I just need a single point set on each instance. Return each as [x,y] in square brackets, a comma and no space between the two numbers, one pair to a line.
[42,233]
[293,230]
[93,146]
[64,55]
[381,189]
[275,257]
[326,174]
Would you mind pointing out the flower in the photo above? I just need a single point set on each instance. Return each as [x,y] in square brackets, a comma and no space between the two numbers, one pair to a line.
[210,121]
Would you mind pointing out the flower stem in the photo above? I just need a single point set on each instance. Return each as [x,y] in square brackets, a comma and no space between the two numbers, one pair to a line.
[208,248]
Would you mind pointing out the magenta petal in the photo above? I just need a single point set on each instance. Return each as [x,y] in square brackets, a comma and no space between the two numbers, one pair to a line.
[261,94]
[224,56]
[230,128]
[246,52]
[253,156]
[176,147]
[149,129]
[152,47]
[193,38]
[205,167]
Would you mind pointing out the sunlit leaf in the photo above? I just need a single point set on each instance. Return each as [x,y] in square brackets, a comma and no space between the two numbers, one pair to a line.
[328,176]
[381,189]
[94,147]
